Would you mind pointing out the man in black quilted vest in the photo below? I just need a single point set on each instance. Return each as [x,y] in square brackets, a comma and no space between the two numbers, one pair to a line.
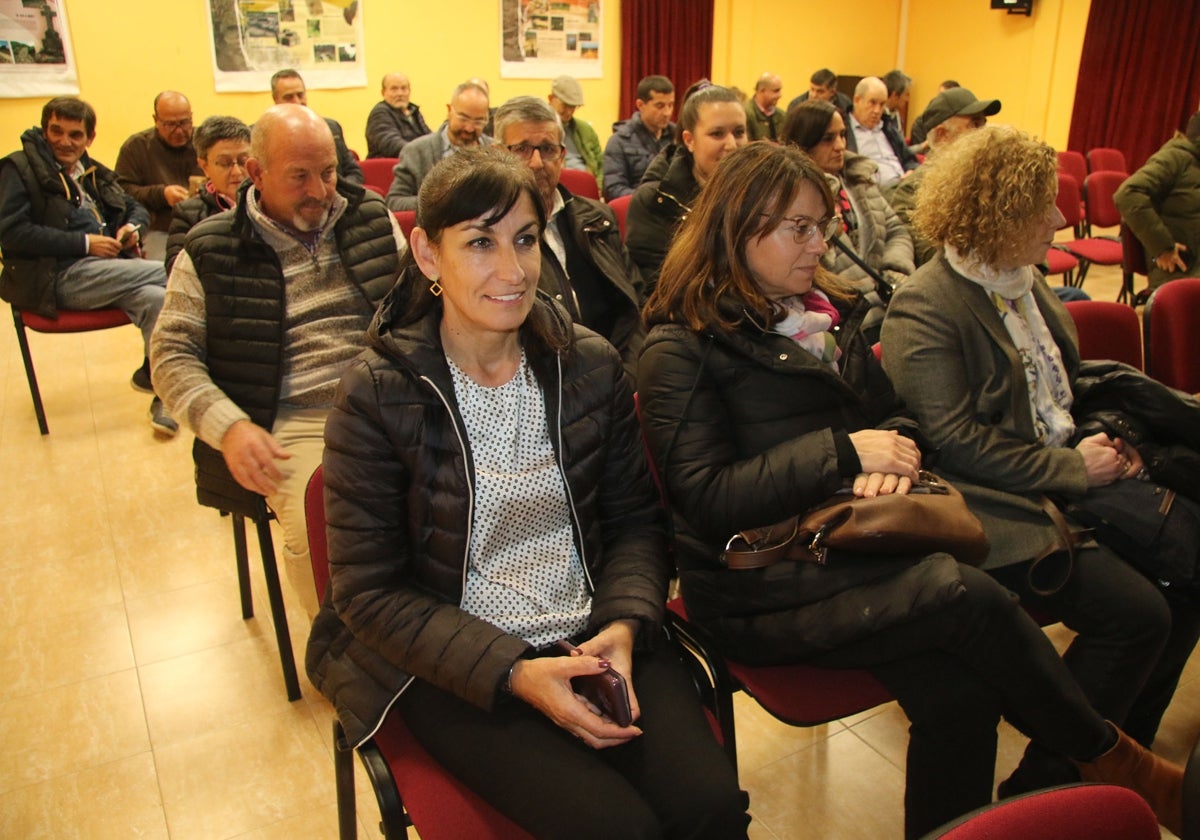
[265,307]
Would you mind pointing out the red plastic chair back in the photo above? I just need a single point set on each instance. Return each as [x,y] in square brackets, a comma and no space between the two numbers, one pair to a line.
[579,182]
[1103,158]
[1098,191]
[1072,812]
[1107,330]
[314,522]
[377,173]
[1069,200]
[620,206]
[1173,334]
[407,219]
[1133,253]
[1074,164]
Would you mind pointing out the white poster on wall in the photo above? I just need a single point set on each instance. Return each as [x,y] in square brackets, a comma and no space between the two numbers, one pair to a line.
[35,49]
[541,39]
[322,39]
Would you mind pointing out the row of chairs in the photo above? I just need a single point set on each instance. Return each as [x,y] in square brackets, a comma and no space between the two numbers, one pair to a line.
[413,790]
[1099,159]
[1084,206]
[1164,342]
[377,176]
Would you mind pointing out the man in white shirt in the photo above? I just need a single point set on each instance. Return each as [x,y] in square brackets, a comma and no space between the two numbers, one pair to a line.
[873,137]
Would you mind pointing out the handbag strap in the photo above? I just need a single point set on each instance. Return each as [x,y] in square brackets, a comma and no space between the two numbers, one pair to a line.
[1069,541]
[756,548]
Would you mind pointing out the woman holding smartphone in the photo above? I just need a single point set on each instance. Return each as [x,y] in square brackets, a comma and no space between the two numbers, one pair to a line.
[487,496]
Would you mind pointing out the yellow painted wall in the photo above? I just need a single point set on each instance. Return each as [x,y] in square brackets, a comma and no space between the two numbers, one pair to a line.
[793,38]
[1029,63]
[129,51]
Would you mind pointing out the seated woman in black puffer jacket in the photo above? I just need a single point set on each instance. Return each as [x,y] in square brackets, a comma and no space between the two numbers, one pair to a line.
[222,149]
[760,399]
[487,495]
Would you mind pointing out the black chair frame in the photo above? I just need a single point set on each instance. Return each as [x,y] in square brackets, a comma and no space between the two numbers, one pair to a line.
[266,546]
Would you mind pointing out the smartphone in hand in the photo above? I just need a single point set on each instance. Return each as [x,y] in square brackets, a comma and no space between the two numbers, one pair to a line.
[606,691]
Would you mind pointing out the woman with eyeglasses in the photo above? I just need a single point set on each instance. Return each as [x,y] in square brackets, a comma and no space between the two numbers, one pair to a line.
[712,123]
[760,399]
[222,149]
[872,230]
[487,495]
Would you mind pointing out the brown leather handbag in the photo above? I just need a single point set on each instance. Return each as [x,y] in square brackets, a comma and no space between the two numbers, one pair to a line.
[931,517]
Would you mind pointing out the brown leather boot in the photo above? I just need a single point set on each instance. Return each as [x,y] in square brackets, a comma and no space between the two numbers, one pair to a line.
[1131,765]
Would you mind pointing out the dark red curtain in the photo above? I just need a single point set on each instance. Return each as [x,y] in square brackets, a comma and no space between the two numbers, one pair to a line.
[672,38]
[1139,76]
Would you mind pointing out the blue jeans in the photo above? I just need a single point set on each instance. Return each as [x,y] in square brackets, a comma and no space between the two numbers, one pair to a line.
[1068,293]
[134,286]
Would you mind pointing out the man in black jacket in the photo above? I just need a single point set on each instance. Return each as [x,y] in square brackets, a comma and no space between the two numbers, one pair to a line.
[395,120]
[70,234]
[287,88]
[584,263]
[267,304]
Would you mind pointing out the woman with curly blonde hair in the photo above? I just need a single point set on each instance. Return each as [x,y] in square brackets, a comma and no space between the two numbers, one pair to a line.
[987,357]
[760,398]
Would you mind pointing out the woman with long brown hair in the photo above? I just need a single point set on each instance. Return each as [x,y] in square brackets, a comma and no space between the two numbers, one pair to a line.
[761,399]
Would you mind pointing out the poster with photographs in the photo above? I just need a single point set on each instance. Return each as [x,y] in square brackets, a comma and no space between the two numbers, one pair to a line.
[541,39]
[35,49]
[322,39]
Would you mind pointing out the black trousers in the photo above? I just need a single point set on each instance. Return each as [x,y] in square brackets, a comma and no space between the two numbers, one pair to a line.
[673,781]
[955,672]
[1134,639]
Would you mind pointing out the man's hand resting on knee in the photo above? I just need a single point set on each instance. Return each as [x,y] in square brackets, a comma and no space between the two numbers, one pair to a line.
[250,453]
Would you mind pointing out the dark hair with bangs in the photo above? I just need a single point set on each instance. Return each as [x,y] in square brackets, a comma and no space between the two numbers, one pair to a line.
[70,108]
[807,123]
[746,198]
[474,183]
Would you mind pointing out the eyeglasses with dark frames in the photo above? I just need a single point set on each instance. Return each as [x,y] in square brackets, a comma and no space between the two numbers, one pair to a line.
[549,152]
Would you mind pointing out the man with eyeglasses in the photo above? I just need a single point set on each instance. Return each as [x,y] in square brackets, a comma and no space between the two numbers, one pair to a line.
[466,116]
[949,115]
[70,234]
[222,150]
[155,165]
[585,266]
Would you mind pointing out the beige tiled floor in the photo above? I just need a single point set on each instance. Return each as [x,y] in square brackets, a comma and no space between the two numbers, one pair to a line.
[135,701]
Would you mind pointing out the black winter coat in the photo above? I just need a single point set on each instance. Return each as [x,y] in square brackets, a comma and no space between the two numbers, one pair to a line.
[594,230]
[44,221]
[661,202]
[399,480]
[246,308]
[185,216]
[749,429]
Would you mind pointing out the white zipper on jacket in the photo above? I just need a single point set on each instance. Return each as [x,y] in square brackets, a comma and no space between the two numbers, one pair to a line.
[462,442]
[567,485]
[470,518]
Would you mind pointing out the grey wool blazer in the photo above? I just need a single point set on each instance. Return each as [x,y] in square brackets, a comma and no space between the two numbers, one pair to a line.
[952,362]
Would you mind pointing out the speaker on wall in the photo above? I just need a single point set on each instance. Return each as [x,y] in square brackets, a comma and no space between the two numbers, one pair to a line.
[1014,7]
